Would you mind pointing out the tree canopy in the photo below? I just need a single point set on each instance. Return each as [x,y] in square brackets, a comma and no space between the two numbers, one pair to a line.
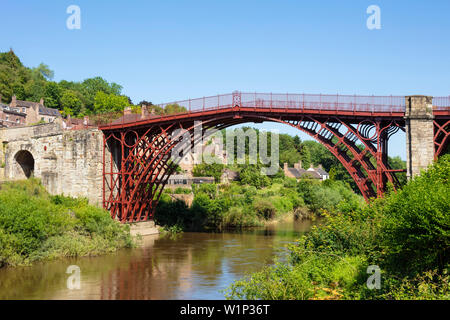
[91,96]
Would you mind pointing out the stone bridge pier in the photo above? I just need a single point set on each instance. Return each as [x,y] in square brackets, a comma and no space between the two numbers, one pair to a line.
[419,134]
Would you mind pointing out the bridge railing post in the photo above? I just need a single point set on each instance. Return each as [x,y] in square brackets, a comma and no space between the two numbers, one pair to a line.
[303,102]
[271,101]
[320,102]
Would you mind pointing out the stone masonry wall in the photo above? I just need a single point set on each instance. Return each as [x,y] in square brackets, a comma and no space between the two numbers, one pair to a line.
[67,162]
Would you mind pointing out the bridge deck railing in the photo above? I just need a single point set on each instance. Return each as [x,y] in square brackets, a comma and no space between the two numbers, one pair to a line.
[319,102]
[288,100]
[441,103]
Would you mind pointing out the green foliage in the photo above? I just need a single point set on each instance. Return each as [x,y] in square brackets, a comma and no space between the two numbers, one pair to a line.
[208,170]
[264,209]
[52,95]
[74,98]
[71,103]
[430,285]
[417,224]
[317,277]
[171,213]
[104,102]
[36,226]
[251,175]
[180,190]
[406,235]
[174,108]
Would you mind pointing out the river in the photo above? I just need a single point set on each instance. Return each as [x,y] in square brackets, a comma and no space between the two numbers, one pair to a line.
[187,266]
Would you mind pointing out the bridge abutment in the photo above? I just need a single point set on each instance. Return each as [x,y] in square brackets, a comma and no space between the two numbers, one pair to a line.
[67,162]
[419,134]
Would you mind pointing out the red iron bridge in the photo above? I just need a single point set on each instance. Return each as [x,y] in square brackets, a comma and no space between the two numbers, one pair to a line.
[355,129]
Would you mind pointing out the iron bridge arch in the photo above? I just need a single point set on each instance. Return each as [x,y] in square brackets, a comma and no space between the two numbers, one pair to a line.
[356,133]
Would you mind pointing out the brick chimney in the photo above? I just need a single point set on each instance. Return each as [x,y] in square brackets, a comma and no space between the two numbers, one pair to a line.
[298,165]
[42,101]
[13,101]
[127,111]
[285,167]
[144,112]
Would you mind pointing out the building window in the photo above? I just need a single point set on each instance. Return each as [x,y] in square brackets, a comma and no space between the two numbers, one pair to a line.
[24,110]
[17,120]
[7,118]
[42,119]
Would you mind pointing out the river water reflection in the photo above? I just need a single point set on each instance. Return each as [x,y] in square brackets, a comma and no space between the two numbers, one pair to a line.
[189,266]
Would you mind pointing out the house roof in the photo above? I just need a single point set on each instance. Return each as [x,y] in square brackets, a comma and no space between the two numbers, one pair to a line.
[22,103]
[43,110]
[178,177]
[321,171]
[297,173]
[48,111]
[311,174]
[8,109]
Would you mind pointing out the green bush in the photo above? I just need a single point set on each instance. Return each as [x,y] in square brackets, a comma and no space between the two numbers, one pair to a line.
[208,170]
[251,175]
[264,209]
[181,190]
[406,235]
[37,226]
[416,228]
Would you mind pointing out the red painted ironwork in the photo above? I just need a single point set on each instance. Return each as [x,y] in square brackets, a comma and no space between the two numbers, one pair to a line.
[441,112]
[356,129]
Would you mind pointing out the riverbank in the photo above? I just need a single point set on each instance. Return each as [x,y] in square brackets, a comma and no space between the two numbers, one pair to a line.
[237,205]
[35,226]
[402,239]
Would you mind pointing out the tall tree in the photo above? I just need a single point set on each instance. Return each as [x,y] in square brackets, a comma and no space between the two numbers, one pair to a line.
[109,102]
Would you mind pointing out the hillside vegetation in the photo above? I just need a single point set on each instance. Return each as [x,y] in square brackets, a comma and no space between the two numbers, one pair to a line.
[88,97]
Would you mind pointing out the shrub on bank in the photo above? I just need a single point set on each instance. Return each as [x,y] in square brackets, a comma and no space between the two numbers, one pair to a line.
[407,235]
[36,226]
[416,228]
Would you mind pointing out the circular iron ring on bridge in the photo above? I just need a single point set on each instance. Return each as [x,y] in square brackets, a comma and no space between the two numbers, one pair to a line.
[126,137]
[364,128]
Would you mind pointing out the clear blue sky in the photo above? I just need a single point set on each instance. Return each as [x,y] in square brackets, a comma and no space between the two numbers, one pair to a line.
[170,50]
